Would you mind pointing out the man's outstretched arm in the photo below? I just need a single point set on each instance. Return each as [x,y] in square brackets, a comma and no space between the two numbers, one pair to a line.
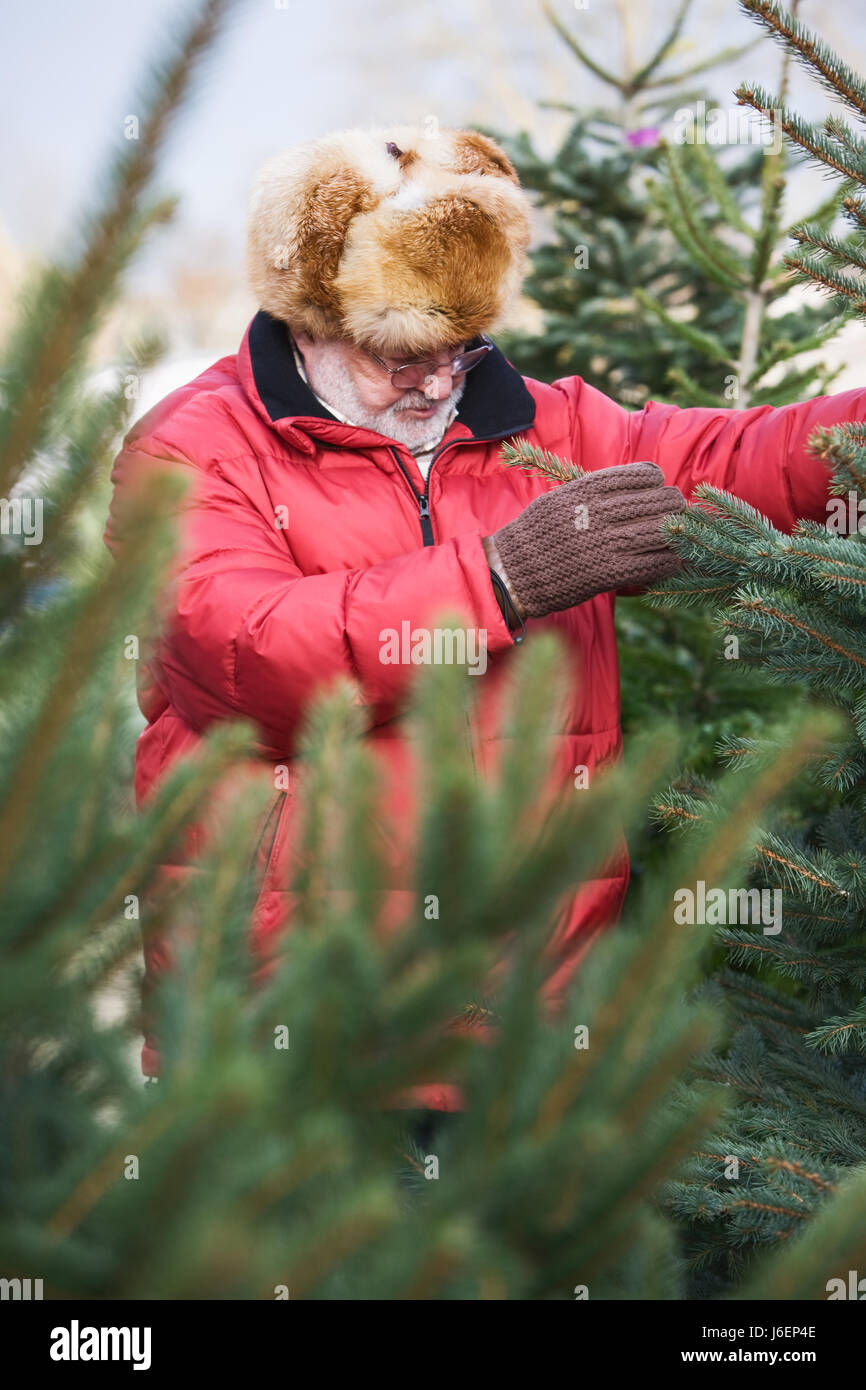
[758,454]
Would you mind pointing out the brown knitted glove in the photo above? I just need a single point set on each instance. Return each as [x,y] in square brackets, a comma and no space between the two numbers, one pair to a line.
[582,538]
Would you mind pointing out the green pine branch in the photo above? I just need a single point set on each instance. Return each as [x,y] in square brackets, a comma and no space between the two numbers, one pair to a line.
[521,454]
[827,66]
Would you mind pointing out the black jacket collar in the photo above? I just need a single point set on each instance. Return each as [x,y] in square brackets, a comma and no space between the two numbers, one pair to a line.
[495,402]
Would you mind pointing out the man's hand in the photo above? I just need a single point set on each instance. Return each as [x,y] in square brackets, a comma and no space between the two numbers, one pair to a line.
[597,533]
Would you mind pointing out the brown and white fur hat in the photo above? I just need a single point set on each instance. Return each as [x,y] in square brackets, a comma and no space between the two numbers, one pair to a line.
[395,239]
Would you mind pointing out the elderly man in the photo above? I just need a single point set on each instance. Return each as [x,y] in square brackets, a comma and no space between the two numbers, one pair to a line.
[347,484]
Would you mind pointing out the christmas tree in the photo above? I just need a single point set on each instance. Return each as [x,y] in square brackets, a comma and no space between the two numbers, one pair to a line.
[689,248]
[792,609]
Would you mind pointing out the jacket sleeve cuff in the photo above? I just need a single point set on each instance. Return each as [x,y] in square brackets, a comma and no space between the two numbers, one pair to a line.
[511,609]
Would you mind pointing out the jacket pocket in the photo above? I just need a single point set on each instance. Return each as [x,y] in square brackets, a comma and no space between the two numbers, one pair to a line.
[263,854]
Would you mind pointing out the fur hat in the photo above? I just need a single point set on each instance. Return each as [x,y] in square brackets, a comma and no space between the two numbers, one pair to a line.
[389,237]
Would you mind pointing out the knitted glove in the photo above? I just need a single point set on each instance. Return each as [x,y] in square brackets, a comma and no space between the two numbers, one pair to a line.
[582,538]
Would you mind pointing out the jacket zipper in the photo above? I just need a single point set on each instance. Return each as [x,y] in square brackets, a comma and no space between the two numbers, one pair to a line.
[423,498]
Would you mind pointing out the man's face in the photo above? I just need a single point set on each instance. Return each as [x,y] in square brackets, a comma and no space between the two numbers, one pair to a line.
[350,379]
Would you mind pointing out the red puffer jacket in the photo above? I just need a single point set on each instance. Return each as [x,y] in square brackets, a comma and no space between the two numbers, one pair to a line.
[306,538]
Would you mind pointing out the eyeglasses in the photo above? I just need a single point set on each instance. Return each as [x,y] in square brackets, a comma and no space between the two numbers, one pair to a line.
[417,373]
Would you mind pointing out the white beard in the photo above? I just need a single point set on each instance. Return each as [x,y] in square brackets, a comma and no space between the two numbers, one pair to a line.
[331,379]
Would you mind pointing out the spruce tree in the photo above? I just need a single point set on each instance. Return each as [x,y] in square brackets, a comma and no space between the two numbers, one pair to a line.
[796,1001]
[735,239]
[624,241]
